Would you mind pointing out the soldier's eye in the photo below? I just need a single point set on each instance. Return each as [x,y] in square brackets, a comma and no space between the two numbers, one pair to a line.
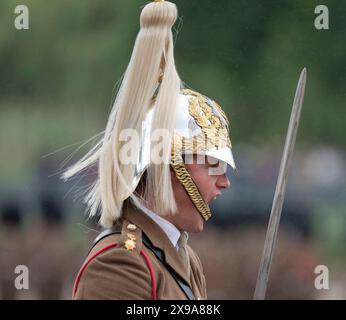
[215,165]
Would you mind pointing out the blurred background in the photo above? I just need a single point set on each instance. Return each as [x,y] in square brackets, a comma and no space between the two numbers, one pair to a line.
[57,82]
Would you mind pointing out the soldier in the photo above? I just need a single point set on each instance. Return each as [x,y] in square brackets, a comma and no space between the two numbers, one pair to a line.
[162,159]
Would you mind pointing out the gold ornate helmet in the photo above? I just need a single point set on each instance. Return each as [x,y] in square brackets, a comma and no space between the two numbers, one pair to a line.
[201,128]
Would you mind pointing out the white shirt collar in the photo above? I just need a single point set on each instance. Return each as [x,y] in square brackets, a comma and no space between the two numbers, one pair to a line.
[170,229]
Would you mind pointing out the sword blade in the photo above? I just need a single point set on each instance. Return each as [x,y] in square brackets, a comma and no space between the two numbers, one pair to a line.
[275,215]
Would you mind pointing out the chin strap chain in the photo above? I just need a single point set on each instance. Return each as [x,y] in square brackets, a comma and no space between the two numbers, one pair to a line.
[186,180]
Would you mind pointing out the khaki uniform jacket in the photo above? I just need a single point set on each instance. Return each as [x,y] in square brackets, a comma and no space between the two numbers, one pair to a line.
[120,266]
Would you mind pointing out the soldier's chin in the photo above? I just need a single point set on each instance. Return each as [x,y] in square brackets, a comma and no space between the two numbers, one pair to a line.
[202,220]
[200,225]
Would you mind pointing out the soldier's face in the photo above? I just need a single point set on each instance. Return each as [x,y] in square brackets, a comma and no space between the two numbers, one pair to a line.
[210,181]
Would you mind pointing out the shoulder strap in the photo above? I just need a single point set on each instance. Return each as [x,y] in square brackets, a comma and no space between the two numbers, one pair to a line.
[160,255]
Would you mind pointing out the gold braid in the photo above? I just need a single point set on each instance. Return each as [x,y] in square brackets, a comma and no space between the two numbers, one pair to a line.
[185,179]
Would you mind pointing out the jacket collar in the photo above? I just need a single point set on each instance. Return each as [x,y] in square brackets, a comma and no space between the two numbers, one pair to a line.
[158,238]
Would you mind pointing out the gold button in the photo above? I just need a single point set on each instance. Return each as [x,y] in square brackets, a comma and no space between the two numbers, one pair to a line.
[131,227]
[130,244]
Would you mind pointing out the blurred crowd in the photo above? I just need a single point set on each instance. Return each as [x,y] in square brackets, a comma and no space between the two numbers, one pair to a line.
[44,246]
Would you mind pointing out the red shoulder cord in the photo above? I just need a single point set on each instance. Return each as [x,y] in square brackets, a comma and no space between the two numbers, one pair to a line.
[143,254]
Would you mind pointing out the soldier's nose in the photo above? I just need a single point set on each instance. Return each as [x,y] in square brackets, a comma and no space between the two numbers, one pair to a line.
[223,182]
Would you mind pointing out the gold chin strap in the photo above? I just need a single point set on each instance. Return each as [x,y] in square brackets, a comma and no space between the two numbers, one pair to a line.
[185,179]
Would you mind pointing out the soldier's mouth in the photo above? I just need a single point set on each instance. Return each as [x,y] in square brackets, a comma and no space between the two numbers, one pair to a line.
[213,198]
